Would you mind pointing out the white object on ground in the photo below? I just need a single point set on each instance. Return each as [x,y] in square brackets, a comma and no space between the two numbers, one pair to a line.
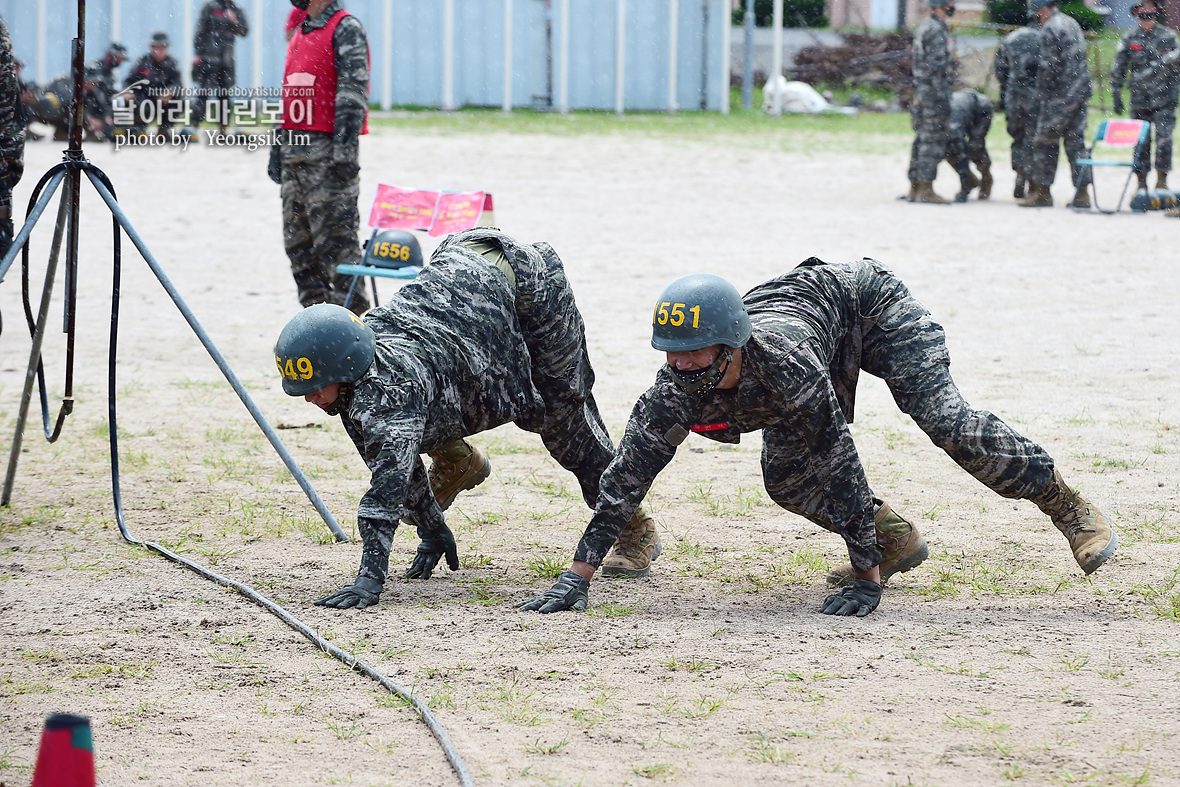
[779,95]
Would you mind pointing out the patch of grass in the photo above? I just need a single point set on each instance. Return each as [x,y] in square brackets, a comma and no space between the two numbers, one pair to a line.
[344,731]
[763,750]
[537,747]
[612,609]
[314,530]
[663,771]
[546,566]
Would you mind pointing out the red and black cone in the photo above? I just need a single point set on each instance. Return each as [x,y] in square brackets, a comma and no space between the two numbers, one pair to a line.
[66,758]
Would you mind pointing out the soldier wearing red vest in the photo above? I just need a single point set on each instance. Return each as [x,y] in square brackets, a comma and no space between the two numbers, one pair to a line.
[325,110]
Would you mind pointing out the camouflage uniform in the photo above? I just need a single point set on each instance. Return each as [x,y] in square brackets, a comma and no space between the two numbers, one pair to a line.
[12,136]
[971,118]
[814,329]
[1154,89]
[1063,91]
[1016,71]
[930,109]
[214,44]
[162,78]
[321,180]
[487,334]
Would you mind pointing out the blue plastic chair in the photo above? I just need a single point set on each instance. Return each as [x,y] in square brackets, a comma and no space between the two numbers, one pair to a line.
[1115,133]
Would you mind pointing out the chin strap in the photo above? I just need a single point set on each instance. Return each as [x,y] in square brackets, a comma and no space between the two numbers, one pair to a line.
[343,400]
[699,382]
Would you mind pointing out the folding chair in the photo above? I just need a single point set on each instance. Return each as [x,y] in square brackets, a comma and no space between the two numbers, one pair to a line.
[1115,134]
[376,264]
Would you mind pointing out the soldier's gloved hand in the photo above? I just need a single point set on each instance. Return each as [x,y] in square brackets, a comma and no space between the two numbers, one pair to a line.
[860,598]
[363,592]
[440,542]
[570,592]
[274,166]
[1118,104]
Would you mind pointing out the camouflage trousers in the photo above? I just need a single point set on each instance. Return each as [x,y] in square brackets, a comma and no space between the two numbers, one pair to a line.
[930,121]
[1163,125]
[907,349]
[572,429]
[970,143]
[1021,121]
[214,82]
[321,220]
[1057,126]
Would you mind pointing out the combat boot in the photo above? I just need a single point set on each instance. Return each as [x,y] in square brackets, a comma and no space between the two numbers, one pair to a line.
[1018,192]
[985,182]
[1038,197]
[1142,178]
[967,182]
[1161,181]
[455,468]
[902,547]
[1081,198]
[924,192]
[1087,529]
[913,191]
[637,548]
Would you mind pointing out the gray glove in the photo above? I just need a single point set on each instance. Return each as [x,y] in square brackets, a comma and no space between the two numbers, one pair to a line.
[440,542]
[1118,104]
[570,592]
[274,166]
[363,592]
[860,598]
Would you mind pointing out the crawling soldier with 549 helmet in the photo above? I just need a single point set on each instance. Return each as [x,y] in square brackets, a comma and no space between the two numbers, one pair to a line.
[785,359]
[487,334]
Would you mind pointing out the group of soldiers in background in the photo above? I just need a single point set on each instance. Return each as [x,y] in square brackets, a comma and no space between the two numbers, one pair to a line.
[1045,89]
[152,85]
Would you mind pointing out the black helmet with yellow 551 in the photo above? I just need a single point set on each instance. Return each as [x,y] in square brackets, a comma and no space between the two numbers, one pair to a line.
[698,311]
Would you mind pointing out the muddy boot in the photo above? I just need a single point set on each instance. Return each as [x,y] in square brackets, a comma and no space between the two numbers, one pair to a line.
[1087,529]
[637,548]
[1161,181]
[902,547]
[985,183]
[1081,198]
[1142,178]
[455,468]
[1018,192]
[913,191]
[924,192]
[1038,197]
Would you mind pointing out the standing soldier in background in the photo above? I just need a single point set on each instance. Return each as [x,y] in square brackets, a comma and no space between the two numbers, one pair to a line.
[1154,88]
[153,81]
[971,118]
[1063,91]
[213,64]
[325,106]
[930,107]
[12,137]
[1016,71]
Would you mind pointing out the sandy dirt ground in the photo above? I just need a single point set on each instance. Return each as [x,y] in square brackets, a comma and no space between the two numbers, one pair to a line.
[994,661]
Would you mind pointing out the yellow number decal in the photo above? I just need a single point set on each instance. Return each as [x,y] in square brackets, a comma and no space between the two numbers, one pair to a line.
[696,316]
[279,363]
[677,314]
[304,366]
[662,311]
[289,370]
[405,255]
[356,319]
[384,248]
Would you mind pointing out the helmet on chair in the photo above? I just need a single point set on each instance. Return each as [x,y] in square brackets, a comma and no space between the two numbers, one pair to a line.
[393,249]
[695,312]
[322,345]
[1168,199]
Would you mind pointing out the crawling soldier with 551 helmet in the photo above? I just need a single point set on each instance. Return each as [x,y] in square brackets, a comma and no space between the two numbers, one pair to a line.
[785,359]
[487,334]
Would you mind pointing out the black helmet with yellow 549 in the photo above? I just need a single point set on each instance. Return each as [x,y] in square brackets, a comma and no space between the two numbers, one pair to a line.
[322,345]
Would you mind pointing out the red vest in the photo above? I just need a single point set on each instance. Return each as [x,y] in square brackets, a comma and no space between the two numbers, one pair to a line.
[309,80]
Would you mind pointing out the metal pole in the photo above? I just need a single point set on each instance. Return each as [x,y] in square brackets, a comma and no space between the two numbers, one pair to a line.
[259,418]
[506,104]
[448,54]
[776,58]
[726,44]
[186,63]
[259,34]
[563,59]
[620,53]
[748,57]
[22,415]
[387,57]
[42,41]
[116,20]
[673,51]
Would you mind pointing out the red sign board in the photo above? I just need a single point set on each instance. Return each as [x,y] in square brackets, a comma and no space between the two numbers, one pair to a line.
[439,212]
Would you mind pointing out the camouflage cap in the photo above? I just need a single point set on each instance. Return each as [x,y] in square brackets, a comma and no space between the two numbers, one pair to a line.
[160,38]
[117,49]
